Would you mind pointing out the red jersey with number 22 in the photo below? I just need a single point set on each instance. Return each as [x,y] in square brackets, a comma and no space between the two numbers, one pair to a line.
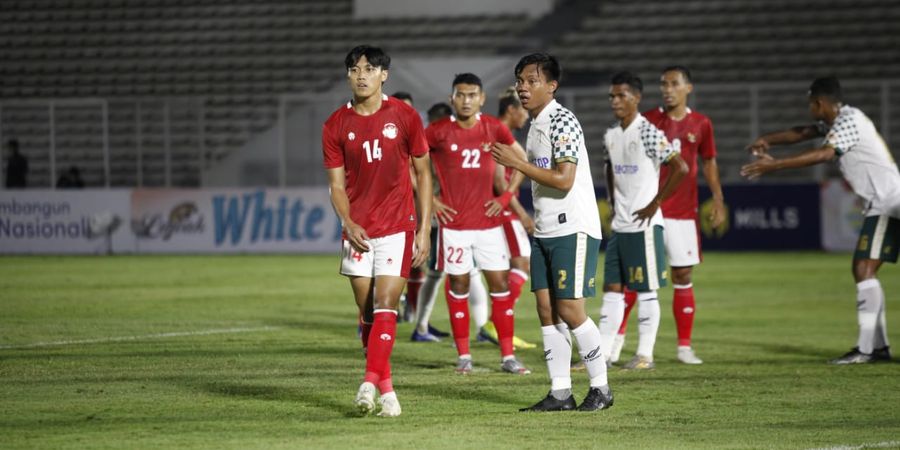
[692,136]
[465,168]
[374,151]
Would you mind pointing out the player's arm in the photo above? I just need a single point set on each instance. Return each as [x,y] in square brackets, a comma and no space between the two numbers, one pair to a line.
[767,163]
[337,187]
[424,194]
[677,170]
[793,135]
[711,173]
[505,192]
[610,185]
[561,177]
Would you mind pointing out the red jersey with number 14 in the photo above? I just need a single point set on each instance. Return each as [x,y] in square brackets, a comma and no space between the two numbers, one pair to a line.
[465,168]
[692,136]
[374,151]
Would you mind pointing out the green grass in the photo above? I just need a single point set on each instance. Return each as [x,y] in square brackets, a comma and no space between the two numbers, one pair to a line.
[766,325]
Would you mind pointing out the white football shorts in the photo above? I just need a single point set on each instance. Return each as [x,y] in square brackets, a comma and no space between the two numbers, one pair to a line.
[388,255]
[682,242]
[517,238]
[461,250]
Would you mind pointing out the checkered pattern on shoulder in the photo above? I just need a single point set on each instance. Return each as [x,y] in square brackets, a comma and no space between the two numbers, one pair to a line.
[656,146]
[566,135]
[844,134]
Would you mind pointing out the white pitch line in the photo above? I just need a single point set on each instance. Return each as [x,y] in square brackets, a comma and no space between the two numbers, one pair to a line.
[886,444]
[137,338]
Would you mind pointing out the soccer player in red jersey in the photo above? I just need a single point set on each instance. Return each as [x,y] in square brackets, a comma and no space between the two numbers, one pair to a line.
[470,216]
[367,148]
[692,134]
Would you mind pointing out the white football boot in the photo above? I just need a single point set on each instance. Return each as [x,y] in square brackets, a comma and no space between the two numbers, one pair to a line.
[390,406]
[687,356]
[365,398]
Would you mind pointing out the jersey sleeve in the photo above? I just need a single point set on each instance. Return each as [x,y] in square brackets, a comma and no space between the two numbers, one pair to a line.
[707,148]
[566,137]
[416,140]
[843,135]
[333,153]
[502,133]
[656,146]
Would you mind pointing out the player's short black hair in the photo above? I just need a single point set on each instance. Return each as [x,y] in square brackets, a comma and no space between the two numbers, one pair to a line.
[403,95]
[467,78]
[828,87]
[685,72]
[507,99]
[625,77]
[439,111]
[374,55]
[546,63]
[13,144]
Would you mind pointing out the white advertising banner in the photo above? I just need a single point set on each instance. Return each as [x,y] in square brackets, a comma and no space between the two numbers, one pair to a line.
[299,220]
[841,216]
[44,221]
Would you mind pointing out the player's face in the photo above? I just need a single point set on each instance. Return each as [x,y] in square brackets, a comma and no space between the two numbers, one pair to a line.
[467,100]
[817,108]
[623,101]
[365,79]
[533,88]
[674,88]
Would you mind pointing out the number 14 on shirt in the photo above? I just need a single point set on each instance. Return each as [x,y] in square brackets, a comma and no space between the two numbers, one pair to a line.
[373,151]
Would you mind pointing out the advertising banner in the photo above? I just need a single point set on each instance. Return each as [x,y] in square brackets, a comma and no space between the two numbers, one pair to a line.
[299,220]
[48,221]
[842,216]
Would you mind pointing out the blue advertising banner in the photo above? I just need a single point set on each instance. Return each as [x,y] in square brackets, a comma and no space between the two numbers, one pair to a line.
[760,217]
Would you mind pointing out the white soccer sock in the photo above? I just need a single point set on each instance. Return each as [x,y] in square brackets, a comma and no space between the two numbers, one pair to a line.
[869,305]
[611,314]
[588,337]
[648,322]
[558,354]
[427,295]
[881,336]
[478,299]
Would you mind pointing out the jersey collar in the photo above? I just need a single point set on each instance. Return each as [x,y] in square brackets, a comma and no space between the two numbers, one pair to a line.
[544,116]
[384,97]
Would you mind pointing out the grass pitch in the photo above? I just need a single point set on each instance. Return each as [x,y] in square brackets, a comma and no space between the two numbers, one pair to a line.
[261,352]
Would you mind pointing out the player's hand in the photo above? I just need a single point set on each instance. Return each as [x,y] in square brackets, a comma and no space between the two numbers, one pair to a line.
[444,213]
[646,213]
[756,169]
[421,249]
[717,213]
[357,237]
[495,206]
[505,155]
[527,223]
[759,147]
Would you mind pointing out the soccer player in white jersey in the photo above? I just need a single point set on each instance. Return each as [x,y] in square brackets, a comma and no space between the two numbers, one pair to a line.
[851,140]
[567,234]
[635,253]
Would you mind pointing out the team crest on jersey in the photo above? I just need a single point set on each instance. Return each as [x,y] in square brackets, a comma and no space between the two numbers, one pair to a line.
[692,138]
[632,146]
[454,147]
[351,136]
[389,131]
[485,147]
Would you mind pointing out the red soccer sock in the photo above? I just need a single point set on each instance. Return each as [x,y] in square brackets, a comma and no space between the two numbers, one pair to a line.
[683,308]
[504,320]
[385,385]
[458,306]
[381,343]
[416,278]
[630,300]
[365,328]
[516,280]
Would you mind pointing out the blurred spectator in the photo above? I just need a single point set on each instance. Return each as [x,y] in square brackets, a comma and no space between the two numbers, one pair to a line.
[16,166]
[70,179]
[405,96]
